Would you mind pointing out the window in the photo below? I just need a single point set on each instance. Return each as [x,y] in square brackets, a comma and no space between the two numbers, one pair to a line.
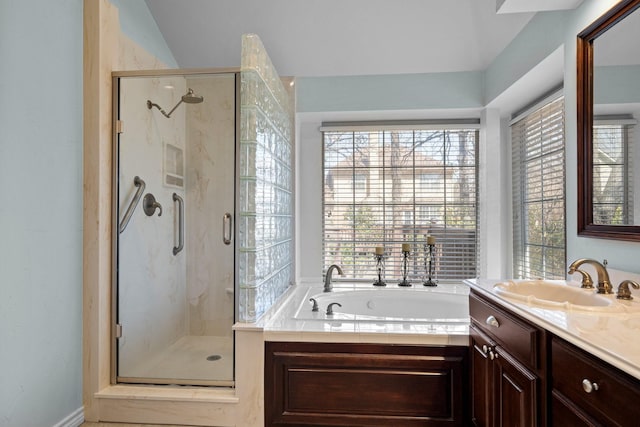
[385,187]
[612,179]
[538,193]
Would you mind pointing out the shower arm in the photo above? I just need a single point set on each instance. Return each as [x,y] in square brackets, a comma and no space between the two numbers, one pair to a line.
[188,97]
[164,113]
[174,108]
[138,182]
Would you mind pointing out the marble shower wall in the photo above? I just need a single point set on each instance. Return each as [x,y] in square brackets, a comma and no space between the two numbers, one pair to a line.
[210,182]
[152,299]
[265,218]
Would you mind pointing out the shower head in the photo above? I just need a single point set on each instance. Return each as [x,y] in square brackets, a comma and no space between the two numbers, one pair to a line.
[189,98]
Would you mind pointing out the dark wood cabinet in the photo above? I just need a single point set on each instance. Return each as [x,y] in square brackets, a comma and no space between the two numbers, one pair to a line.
[507,370]
[515,392]
[589,392]
[331,384]
[481,375]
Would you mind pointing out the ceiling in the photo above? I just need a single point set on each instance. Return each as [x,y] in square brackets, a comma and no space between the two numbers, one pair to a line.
[340,37]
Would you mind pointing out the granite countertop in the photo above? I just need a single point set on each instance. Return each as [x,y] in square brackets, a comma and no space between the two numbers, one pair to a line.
[613,337]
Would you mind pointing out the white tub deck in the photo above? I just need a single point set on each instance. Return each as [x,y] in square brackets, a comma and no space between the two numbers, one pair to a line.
[288,321]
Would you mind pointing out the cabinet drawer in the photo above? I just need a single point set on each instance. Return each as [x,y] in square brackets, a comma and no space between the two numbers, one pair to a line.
[519,338]
[616,399]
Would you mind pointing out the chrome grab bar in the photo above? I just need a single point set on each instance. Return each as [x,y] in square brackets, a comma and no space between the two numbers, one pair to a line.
[226,220]
[177,249]
[138,182]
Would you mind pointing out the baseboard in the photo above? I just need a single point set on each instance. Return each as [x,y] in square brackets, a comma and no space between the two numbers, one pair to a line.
[74,419]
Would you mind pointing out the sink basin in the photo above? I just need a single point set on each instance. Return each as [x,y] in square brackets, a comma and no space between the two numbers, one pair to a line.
[556,294]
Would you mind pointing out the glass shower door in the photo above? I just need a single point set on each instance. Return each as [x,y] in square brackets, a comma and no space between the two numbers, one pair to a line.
[175,241]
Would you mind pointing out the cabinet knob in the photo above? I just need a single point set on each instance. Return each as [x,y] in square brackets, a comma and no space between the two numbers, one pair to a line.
[492,321]
[588,386]
[485,349]
[491,355]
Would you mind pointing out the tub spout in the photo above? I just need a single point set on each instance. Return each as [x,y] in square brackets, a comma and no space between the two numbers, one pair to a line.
[604,285]
[327,277]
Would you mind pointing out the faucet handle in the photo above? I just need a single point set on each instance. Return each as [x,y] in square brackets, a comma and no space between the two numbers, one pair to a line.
[330,308]
[587,281]
[315,304]
[623,289]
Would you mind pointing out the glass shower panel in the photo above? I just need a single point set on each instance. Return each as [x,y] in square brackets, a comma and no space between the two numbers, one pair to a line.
[175,251]
[265,228]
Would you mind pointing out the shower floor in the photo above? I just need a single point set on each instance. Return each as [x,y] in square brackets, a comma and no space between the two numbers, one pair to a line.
[186,359]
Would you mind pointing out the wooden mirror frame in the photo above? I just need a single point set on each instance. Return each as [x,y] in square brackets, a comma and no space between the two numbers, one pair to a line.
[586,227]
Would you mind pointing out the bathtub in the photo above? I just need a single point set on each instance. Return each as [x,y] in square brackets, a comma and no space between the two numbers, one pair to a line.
[444,304]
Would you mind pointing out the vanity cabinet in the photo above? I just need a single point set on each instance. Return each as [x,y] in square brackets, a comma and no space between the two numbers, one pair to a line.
[589,392]
[508,363]
[351,384]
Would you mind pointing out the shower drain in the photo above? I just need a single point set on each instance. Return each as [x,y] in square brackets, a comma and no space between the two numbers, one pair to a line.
[214,357]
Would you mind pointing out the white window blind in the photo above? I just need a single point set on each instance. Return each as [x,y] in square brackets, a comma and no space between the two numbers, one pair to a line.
[388,187]
[612,171]
[539,193]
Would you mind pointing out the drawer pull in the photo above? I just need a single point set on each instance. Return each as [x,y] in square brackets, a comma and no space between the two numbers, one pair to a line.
[492,321]
[588,386]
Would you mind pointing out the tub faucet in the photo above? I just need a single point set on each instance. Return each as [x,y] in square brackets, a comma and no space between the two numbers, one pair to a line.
[327,277]
[604,285]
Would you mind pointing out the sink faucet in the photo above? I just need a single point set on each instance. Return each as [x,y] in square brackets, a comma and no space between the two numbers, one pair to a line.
[604,285]
[327,277]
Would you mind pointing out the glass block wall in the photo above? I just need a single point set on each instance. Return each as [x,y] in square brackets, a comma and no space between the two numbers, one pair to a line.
[265,217]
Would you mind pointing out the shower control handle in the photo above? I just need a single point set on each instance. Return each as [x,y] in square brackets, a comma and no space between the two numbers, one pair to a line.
[227,223]
[150,204]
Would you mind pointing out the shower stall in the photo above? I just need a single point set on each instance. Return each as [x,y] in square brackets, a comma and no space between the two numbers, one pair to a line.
[203,227]
[176,181]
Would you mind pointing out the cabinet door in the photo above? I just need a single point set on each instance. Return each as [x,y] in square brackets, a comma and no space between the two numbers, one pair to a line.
[515,391]
[566,413]
[481,378]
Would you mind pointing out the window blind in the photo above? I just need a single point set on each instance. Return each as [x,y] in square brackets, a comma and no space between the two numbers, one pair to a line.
[538,193]
[388,187]
[612,171]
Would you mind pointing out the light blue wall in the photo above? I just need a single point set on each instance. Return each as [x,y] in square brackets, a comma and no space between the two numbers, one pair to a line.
[621,255]
[137,23]
[40,211]
[41,208]
[616,84]
[542,36]
[389,92]
[537,40]
[545,33]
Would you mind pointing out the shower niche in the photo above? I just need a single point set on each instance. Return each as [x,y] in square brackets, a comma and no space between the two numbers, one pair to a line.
[175,262]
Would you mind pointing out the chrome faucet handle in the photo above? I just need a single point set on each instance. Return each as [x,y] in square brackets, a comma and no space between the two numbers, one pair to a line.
[587,281]
[315,304]
[330,308]
[623,289]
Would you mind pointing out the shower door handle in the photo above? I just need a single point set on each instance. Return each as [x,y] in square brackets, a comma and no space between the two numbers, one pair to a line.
[140,185]
[227,221]
[177,249]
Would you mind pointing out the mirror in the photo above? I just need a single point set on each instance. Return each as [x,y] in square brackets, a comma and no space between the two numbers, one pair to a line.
[608,99]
